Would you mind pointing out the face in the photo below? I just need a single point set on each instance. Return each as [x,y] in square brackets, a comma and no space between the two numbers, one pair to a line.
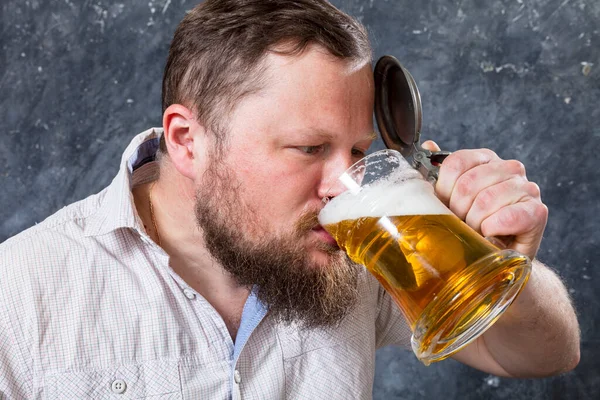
[258,205]
[290,142]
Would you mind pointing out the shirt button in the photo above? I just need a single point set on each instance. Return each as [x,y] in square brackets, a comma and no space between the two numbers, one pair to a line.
[118,386]
[237,377]
[189,293]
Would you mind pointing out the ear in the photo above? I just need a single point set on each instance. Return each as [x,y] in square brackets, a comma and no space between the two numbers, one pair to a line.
[183,135]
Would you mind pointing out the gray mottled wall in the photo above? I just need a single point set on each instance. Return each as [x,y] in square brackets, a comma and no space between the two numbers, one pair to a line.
[79,78]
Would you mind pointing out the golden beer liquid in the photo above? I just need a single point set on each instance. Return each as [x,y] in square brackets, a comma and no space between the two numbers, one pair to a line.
[421,258]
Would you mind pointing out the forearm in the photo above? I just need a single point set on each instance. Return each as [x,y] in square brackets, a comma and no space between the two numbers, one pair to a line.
[539,334]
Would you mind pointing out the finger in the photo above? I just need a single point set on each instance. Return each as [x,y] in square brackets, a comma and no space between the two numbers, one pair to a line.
[478,179]
[524,220]
[430,145]
[455,165]
[497,196]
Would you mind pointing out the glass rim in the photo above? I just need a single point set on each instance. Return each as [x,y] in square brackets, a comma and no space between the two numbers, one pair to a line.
[358,164]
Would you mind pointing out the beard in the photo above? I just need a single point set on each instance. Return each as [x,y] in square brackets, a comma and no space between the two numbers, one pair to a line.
[293,288]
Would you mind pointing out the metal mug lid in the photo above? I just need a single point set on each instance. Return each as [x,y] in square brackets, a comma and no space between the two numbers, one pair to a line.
[399,116]
[397,106]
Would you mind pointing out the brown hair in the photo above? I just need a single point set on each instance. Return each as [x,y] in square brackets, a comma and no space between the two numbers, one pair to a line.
[216,53]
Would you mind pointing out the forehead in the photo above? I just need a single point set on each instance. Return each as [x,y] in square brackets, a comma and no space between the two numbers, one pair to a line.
[309,93]
[316,69]
[315,86]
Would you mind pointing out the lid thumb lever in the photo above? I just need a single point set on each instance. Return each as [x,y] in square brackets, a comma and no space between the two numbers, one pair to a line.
[428,162]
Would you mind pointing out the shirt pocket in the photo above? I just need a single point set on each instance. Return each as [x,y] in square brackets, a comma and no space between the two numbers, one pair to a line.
[156,379]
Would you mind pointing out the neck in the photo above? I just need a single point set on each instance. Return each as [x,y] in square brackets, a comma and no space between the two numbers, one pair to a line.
[173,200]
[172,224]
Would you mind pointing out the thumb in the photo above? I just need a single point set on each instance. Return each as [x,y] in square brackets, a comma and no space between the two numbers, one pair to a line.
[430,145]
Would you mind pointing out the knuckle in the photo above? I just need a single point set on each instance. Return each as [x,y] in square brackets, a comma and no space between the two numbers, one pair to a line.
[510,217]
[541,212]
[516,167]
[462,160]
[455,162]
[533,189]
[485,199]
[464,185]
[489,154]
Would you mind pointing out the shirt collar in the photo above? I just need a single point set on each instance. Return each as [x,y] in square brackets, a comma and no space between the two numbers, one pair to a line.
[117,207]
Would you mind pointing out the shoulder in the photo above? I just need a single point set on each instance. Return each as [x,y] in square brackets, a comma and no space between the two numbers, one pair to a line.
[42,267]
[48,241]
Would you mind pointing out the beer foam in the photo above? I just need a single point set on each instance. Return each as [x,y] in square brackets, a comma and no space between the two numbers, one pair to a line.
[407,197]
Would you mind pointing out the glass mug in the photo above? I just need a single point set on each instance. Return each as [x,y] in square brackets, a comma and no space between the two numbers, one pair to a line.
[450,283]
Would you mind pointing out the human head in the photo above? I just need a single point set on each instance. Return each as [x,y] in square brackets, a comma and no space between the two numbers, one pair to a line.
[216,54]
[286,98]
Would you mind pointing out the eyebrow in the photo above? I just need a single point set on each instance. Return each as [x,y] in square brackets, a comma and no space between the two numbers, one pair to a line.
[326,135]
[372,136]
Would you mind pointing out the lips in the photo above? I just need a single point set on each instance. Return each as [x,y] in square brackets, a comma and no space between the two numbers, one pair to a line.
[324,235]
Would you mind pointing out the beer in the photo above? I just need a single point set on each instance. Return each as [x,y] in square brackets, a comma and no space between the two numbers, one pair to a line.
[449,281]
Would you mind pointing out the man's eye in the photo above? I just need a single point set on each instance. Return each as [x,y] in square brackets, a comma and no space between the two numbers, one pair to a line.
[311,149]
[358,153]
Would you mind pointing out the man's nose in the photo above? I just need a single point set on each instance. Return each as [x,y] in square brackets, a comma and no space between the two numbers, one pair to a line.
[331,184]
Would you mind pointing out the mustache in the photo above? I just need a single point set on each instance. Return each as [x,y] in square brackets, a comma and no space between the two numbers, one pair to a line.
[307,221]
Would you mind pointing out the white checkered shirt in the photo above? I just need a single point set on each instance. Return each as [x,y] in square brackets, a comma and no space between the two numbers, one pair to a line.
[90,309]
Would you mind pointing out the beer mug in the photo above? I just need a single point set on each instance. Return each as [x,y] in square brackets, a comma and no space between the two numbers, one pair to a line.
[450,283]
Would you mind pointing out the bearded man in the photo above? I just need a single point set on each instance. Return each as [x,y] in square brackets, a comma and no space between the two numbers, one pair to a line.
[202,272]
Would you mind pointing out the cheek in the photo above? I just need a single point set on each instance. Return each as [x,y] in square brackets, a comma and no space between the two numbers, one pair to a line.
[280,196]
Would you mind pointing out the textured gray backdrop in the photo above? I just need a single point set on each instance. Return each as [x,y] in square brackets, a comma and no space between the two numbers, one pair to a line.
[79,78]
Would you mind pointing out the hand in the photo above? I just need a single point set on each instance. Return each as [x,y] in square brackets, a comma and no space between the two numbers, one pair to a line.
[493,196]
